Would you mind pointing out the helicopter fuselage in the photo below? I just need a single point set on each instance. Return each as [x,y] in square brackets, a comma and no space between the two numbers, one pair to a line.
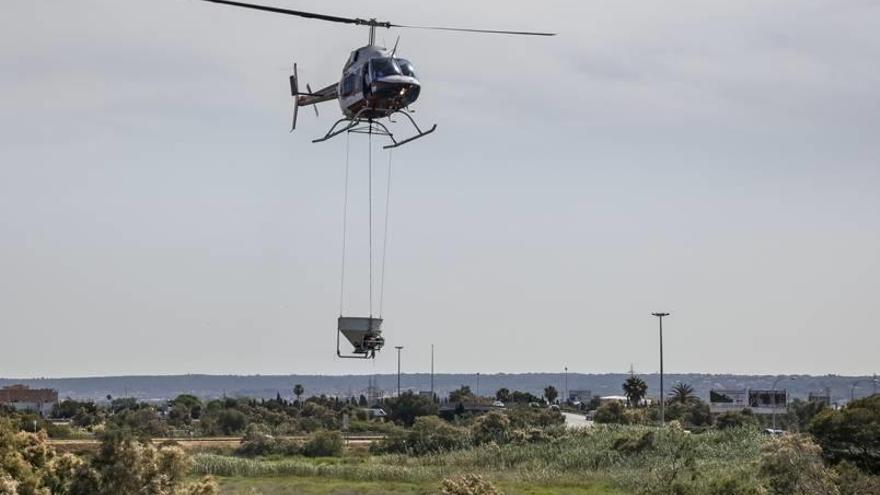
[375,84]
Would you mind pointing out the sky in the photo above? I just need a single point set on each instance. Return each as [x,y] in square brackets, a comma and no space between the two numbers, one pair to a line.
[716,160]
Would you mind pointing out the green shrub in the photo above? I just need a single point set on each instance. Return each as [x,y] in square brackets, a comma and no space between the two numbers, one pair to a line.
[851,434]
[493,426]
[736,485]
[468,484]
[792,465]
[324,444]
[611,413]
[736,419]
[429,435]
[627,445]
[405,408]
[852,481]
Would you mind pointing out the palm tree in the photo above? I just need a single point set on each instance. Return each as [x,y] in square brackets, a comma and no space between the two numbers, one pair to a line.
[635,389]
[682,393]
[550,393]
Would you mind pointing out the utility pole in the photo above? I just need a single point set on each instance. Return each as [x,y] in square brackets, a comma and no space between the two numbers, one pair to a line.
[662,397]
[478,385]
[565,397]
[399,347]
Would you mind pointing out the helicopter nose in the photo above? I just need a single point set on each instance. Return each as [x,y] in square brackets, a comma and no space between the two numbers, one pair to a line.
[393,87]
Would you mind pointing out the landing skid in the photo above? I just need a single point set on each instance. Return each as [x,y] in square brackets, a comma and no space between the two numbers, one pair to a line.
[360,125]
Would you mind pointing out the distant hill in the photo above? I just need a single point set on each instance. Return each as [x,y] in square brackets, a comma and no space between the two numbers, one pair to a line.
[267,386]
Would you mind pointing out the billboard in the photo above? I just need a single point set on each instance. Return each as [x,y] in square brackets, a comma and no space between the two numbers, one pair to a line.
[767,401]
[728,400]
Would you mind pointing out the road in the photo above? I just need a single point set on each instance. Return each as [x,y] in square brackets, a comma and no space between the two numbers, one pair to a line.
[576,421]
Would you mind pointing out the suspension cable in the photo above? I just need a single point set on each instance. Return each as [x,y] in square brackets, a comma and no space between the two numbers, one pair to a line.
[344,225]
[370,199]
[385,234]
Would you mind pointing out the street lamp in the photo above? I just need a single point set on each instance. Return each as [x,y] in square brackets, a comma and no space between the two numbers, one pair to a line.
[773,389]
[662,402]
[478,385]
[565,397]
[399,347]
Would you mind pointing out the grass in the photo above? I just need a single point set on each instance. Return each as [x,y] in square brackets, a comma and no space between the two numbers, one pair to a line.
[319,486]
[582,462]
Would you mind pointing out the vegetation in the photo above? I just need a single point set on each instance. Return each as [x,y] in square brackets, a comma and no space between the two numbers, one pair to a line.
[524,447]
[851,434]
[122,466]
[635,390]
[682,393]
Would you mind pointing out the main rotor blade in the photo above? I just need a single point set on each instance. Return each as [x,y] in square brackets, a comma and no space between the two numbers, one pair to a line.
[466,30]
[308,15]
[365,22]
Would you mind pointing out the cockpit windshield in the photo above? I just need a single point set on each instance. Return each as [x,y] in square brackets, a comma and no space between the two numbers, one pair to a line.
[383,67]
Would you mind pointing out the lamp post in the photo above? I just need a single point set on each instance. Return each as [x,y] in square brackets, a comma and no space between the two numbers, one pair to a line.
[478,385]
[662,402]
[565,397]
[773,389]
[432,372]
[399,348]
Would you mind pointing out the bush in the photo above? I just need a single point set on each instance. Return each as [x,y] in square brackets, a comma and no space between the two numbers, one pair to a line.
[469,484]
[792,465]
[324,444]
[264,445]
[408,406]
[851,434]
[428,435]
[29,465]
[739,484]
[852,481]
[232,421]
[493,426]
[736,419]
[626,445]
[611,412]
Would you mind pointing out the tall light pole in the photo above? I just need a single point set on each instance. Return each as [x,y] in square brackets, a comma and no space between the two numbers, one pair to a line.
[399,348]
[478,385]
[565,397]
[432,372]
[662,402]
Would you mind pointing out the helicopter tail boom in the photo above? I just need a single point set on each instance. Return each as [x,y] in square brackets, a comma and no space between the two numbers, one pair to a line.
[309,98]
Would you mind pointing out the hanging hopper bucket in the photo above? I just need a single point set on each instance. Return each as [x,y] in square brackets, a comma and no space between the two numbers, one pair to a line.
[364,334]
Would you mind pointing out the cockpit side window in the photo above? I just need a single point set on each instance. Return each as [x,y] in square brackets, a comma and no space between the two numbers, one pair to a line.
[406,67]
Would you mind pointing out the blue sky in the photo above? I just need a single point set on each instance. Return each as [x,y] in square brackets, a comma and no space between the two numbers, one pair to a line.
[718,161]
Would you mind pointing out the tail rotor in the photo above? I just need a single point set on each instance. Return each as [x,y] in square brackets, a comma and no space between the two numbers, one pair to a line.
[294,91]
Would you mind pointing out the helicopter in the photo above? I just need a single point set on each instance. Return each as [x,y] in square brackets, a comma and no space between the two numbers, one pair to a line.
[375,83]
